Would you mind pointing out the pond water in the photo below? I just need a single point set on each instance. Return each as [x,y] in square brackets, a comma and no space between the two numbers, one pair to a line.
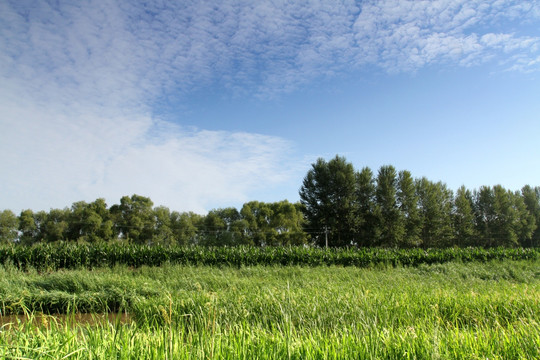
[62,319]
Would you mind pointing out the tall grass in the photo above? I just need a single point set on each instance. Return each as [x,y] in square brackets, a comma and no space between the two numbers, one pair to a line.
[447,311]
[132,342]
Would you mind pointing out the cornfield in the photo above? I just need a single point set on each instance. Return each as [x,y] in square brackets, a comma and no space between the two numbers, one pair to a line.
[56,256]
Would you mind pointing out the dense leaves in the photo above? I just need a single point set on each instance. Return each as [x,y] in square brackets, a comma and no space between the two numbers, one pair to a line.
[136,221]
[8,226]
[328,195]
[395,210]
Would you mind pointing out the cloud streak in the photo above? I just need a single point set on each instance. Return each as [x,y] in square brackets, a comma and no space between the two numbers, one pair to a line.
[79,82]
[264,46]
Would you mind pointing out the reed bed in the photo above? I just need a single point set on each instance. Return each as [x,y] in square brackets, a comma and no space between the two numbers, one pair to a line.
[453,310]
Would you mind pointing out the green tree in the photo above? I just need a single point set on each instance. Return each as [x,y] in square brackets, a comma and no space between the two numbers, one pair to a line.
[163,232]
[531,199]
[28,227]
[185,227]
[525,225]
[511,221]
[328,196]
[218,227]
[407,200]
[90,221]
[506,216]
[484,212]
[272,224]
[368,231]
[134,218]
[435,203]
[288,221]
[55,225]
[463,218]
[106,229]
[8,227]
[258,217]
[235,229]
[40,220]
[391,219]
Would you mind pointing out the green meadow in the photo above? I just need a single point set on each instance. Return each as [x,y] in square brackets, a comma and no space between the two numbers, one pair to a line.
[453,310]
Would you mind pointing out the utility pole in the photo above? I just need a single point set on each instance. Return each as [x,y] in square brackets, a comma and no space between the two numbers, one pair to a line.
[326,235]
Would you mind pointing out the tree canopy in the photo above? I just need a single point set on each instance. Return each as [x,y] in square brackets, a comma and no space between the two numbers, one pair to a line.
[393,209]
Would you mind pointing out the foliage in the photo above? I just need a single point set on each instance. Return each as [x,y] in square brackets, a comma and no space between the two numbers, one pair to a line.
[408,200]
[531,199]
[328,197]
[273,224]
[391,219]
[368,229]
[8,227]
[134,218]
[90,222]
[463,217]
[435,205]
[396,210]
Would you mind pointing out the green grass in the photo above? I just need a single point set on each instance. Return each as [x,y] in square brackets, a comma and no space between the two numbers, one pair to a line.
[441,311]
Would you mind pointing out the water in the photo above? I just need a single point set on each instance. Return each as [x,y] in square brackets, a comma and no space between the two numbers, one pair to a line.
[9,321]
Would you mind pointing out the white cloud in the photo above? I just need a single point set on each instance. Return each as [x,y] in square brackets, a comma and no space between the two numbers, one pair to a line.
[55,160]
[79,79]
[164,46]
[404,35]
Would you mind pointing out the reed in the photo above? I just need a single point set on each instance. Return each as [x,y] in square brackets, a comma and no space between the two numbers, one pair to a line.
[454,310]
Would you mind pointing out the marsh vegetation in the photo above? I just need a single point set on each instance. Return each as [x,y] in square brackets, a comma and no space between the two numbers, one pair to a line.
[451,310]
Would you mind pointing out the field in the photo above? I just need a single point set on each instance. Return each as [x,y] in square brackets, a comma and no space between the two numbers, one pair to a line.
[452,310]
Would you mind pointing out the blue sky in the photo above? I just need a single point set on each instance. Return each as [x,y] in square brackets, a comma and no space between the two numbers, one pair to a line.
[206,104]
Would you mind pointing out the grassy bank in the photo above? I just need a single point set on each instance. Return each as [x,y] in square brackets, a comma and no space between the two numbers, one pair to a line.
[449,311]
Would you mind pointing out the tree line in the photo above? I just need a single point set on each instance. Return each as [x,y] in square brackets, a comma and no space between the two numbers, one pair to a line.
[136,220]
[393,209]
[339,206]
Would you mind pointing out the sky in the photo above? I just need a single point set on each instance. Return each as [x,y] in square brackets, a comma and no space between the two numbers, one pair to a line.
[205,104]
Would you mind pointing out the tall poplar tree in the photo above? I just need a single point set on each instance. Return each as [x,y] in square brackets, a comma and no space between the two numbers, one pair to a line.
[505,225]
[463,218]
[408,205]
[531,198]
[435,204]
[484,212]
[328,196]
[391,219]
[368,230]
[526,222]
